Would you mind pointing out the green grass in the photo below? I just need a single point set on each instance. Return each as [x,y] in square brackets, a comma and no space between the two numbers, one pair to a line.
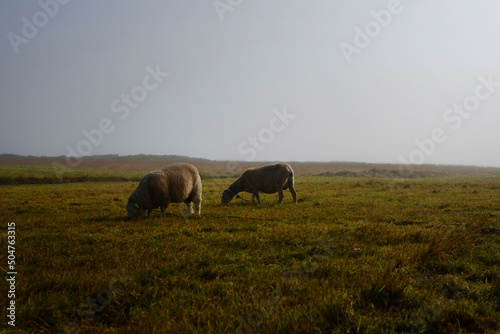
[363,255]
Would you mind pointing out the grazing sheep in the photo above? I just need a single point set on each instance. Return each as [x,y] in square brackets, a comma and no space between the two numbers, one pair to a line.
[175,184]
[267,179]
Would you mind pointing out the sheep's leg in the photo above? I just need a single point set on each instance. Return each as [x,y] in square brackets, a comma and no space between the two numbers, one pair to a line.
[294,194]
[196,200]
[256,195]
[197,207]
[163,209]
[280,193]
[149,212]
[190,208]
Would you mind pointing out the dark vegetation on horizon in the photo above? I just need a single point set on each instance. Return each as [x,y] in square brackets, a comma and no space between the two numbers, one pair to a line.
[15,169]
[168,157]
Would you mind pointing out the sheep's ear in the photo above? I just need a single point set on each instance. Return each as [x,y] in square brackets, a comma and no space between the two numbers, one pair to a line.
[136,205]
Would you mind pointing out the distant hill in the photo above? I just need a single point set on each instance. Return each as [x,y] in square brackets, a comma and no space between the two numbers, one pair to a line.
[211,168]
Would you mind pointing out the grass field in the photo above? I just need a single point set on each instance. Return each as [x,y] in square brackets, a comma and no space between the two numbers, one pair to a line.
[355,254]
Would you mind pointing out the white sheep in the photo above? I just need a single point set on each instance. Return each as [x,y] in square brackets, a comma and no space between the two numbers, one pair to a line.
[267,179]
[177,183]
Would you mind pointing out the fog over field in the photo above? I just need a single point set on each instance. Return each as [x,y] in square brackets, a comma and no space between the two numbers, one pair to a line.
[392,81]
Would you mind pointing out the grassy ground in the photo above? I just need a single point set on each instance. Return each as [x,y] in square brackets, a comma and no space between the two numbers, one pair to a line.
[354,255]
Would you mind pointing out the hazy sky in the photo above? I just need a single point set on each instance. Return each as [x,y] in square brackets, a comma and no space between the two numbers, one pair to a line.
[370,81]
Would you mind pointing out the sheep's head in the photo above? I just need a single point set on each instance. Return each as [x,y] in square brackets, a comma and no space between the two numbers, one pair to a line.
[134,210]
[227,196]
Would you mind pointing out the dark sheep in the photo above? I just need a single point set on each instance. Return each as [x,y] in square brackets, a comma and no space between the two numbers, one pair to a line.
[266,179]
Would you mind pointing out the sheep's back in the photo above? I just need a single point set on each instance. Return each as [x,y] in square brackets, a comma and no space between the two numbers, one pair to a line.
[182,180]
[151,190]
[266,178]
